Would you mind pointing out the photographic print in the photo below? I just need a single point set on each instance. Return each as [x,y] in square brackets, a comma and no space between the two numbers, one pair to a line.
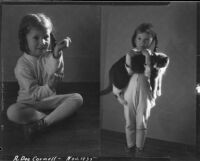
[50,80]
[136,121]
[106,81]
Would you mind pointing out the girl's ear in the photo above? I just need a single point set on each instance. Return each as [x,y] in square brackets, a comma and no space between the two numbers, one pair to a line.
[53,41]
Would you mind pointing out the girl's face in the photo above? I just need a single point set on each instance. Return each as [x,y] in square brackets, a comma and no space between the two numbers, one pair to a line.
[38,41]
[143,41]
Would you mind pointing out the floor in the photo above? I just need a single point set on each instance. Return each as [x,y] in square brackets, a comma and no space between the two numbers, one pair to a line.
[80,138]
[113,145]
[78,135]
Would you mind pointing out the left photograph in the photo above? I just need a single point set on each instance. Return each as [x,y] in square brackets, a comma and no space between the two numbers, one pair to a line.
[50,80]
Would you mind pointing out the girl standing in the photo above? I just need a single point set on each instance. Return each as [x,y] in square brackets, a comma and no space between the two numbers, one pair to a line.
[138,96]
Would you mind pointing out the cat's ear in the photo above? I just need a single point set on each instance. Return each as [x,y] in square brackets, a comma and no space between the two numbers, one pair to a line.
[161,61]
[165,61]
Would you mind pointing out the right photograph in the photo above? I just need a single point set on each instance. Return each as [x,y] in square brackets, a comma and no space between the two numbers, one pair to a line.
[148,77]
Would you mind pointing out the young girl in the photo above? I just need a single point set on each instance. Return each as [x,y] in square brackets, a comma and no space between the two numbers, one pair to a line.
[143,39]
[38,71]
[138,97]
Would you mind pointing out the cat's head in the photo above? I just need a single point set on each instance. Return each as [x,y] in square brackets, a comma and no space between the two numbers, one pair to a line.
[160,60]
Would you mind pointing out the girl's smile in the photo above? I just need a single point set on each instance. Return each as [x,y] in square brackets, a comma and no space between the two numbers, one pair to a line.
[38,41]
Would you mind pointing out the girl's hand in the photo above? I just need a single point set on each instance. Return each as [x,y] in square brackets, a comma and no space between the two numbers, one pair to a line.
[61,45]
[147,64]
[128,64]
[145,53]
[147,57]
[147,71]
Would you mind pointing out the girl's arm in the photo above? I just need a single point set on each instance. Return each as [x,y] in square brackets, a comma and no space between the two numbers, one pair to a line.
[60,46]
[53,62]
[52,65]
[30,89]
[147,65]
[128,62]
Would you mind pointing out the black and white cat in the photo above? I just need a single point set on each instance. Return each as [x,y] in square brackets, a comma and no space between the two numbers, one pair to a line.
[119,77]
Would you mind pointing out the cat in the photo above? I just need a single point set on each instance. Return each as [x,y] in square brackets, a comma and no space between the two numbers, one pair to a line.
[119,77]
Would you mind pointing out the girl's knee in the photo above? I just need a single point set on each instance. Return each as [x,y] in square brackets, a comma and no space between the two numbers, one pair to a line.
[75,98]
[12,113]
[141,125]
[78,99]
[130,127]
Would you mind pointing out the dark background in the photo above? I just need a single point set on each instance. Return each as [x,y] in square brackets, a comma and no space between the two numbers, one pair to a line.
[79,134]
[80,22]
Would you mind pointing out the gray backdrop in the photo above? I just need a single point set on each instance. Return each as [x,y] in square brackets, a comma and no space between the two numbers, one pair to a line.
[80,22]
[174,117]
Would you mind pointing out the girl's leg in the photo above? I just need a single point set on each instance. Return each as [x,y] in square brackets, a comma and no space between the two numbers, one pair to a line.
[23,113]
[62,105]
[145,103]
[130,126]
[130,96]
